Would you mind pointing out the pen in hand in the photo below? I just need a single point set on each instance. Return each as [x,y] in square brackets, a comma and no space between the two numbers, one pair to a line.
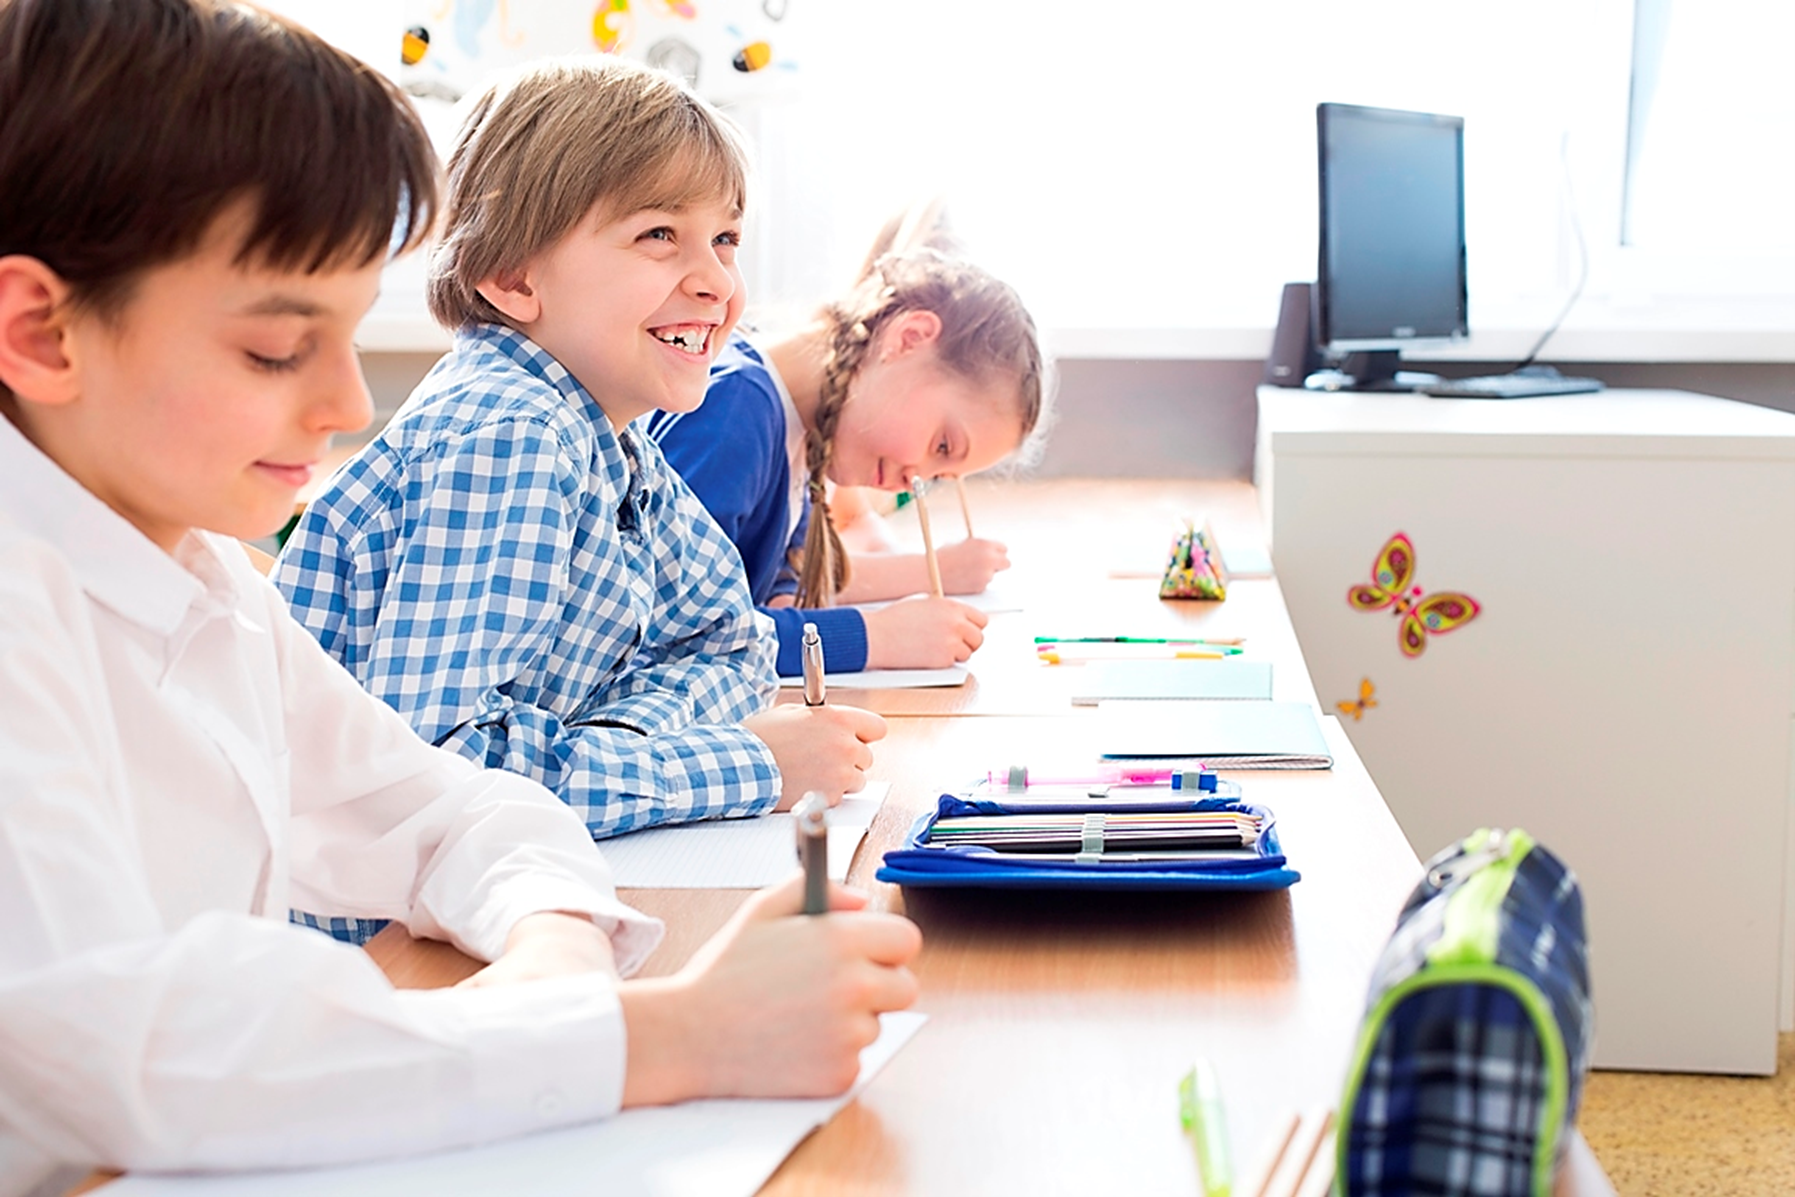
[811,815]
[814,685]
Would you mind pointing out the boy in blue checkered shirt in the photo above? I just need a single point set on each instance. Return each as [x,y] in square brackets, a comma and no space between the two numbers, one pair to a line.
[511,564]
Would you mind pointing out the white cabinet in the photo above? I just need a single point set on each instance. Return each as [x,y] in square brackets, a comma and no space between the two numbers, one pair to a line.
[1625,691]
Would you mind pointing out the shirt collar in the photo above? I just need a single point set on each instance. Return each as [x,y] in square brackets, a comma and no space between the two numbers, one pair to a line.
[619,449]
[117,565]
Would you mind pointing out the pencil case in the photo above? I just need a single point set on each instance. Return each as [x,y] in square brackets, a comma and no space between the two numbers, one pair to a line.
[1105,855]
[1472,1054]
[1194,568]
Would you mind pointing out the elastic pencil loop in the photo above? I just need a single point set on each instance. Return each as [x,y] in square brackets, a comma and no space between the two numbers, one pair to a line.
[1018,779]
[1091,838]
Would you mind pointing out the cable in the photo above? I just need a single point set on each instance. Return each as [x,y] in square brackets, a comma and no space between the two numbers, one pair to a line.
[1564,160]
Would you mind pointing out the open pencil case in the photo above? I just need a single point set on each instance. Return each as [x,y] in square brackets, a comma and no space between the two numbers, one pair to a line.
[1142,846]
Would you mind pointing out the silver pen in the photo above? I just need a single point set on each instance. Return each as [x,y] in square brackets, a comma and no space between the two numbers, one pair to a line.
[813,666]
[811,815]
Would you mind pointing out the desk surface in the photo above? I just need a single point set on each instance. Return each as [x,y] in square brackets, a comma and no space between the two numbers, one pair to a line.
[1060,1025]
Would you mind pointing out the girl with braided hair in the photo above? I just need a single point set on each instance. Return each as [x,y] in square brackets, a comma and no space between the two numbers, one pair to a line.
[927,368]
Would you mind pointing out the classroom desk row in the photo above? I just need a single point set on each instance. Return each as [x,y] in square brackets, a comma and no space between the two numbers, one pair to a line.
[1060,1024]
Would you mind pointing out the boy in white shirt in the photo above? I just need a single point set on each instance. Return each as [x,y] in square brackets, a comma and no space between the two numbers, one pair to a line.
[180,763]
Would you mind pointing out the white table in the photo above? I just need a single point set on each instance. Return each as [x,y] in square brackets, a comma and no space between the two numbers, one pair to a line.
[1625,693]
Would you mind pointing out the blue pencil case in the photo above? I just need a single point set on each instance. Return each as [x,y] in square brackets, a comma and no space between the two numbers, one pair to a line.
[925,861]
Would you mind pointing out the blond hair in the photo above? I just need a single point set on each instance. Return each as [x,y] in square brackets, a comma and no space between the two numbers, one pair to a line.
[542,149]
[986,335]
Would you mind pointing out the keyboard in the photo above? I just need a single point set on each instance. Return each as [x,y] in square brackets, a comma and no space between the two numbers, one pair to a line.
[1522,384]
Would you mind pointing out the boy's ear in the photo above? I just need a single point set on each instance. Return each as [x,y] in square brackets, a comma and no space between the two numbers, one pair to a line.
[510,292]
[908,331]
[35,359]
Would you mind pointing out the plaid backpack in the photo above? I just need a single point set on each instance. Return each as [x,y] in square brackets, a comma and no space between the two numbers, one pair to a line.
[1471,1060]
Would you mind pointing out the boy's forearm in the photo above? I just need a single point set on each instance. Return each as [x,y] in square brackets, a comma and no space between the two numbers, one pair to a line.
[619,778]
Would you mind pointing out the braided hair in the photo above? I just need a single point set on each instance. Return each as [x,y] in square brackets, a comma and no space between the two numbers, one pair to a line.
[985,333]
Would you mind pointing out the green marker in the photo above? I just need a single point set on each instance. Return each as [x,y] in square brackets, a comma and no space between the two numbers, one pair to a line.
[1200,1110]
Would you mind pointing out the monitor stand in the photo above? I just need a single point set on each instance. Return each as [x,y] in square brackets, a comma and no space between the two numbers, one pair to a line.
[1374,370]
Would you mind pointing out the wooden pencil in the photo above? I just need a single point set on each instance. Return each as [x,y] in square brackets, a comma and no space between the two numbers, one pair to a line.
[928,539]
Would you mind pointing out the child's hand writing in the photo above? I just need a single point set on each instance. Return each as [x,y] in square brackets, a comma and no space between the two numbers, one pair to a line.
[923,633]
[777,1004]
[550,944]
[967,566]
[818,748]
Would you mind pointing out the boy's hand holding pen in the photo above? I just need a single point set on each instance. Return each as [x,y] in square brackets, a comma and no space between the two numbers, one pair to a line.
[817,746]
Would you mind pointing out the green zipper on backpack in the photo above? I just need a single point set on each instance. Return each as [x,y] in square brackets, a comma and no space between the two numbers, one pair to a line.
[1466,952]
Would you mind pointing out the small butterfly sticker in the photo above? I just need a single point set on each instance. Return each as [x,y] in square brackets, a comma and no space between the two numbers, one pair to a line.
[1420,616]
[1366,701]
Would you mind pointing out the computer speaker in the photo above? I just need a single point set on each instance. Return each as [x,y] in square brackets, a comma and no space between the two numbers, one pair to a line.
[1294,355]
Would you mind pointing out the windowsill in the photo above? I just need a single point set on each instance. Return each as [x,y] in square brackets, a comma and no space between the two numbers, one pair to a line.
[1666,331]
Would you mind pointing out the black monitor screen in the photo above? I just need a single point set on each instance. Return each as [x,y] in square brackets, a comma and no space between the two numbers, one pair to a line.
[1392,266]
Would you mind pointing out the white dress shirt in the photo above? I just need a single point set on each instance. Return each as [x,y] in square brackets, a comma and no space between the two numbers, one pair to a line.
[180,763]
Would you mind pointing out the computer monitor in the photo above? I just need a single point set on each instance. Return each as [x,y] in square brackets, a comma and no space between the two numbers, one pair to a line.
[1391,271]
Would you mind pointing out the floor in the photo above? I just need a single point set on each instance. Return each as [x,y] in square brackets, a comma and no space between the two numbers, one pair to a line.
[1665,1135]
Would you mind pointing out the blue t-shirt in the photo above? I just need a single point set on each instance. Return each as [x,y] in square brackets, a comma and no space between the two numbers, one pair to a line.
[731,452]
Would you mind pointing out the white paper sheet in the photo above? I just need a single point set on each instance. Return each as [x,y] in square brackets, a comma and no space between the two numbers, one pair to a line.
[736,853]
[699,1149]
[891,679]
[994,599]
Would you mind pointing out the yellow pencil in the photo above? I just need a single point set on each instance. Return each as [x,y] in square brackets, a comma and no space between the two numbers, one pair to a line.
[928,540]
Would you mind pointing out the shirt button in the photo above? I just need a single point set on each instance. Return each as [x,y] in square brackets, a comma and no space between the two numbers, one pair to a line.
[549,1103]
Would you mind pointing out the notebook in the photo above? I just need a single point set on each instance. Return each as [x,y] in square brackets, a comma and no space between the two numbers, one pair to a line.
[736,853]
[1101,681]
[1220,734]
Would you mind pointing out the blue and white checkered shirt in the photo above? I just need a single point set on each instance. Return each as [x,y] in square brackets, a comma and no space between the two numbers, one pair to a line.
[542,594]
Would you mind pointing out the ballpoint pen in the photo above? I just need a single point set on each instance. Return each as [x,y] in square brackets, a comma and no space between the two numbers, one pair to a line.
[1200,1110]
[814,685]
[928,539]
[811,815]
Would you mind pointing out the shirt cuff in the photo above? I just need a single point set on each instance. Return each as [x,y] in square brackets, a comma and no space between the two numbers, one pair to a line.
[545,1054]
[633,935]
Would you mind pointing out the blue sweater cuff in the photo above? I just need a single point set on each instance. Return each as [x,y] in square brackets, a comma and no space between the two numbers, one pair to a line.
[843,631]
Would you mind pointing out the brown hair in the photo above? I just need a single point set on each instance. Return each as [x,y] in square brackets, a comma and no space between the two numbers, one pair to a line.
[540,151]
[986,334]
[128,126]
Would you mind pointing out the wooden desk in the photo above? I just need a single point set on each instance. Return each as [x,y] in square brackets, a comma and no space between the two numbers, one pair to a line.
[1060,1025]
[1086,558]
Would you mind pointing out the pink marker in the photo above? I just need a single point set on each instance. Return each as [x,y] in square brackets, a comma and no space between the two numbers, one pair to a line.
[1017,778]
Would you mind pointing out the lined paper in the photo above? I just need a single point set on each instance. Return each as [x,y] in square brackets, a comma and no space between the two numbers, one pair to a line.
[736,853]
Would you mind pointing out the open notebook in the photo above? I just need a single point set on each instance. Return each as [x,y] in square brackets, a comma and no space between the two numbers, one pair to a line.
[1220,734]
[736,853]
[1103,681]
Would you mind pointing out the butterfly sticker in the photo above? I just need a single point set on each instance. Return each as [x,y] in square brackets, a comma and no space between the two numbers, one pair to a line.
[1366,701]
[1389,587]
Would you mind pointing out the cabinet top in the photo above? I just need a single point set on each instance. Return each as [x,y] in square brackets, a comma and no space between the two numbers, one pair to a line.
[1668,423]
